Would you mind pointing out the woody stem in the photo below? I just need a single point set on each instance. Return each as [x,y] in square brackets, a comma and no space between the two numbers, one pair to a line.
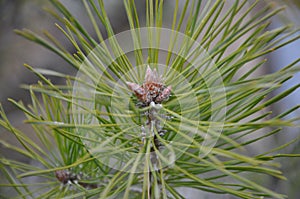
[153,125]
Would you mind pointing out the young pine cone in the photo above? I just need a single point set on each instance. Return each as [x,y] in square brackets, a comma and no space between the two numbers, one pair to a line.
[152,90]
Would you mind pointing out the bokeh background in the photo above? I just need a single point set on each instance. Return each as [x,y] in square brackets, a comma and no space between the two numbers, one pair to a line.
[29,14]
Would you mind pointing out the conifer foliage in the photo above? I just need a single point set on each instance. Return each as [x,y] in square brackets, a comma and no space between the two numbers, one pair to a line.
[155,109]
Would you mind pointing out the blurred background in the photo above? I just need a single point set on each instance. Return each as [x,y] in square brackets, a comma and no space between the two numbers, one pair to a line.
[29,14]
